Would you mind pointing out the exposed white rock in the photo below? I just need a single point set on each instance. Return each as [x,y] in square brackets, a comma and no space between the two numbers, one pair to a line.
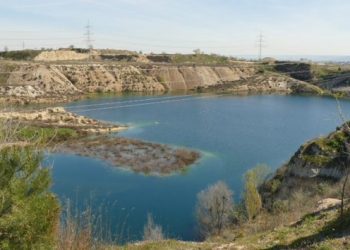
[327,203]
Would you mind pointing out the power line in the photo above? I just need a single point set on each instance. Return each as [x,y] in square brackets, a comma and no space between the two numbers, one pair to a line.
[127,101]
[88,35]
[260,44]
[146,103]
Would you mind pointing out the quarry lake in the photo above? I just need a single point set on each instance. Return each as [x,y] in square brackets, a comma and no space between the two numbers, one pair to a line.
[234,133]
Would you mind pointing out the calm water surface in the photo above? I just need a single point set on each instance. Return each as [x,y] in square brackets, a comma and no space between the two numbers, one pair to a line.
[233,133]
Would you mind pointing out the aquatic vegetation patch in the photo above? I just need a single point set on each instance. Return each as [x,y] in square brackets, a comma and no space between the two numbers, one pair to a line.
[139,156]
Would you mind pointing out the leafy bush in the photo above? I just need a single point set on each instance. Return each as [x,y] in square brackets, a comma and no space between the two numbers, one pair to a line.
[29,212]
[199,59]
[46,134]
[20,54]
[252,200]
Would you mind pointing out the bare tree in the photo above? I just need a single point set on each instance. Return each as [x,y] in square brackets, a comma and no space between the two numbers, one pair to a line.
[343,193]
[347,147]
[214,206]
[151,231]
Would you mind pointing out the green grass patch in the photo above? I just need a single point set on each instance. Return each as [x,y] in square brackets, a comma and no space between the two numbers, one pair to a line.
[44,134]
[318,160]
[322,72]
[334,143]
[199,59]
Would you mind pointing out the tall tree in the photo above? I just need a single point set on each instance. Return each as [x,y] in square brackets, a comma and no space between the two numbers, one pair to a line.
[29,212]
[252,200]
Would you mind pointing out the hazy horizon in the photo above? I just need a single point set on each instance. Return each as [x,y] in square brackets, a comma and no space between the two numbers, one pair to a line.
[291,27]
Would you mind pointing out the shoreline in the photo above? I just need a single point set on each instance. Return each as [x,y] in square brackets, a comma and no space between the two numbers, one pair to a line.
[95,139]
[67,132]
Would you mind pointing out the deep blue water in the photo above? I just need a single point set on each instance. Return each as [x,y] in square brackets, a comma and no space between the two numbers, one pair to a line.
[234,133]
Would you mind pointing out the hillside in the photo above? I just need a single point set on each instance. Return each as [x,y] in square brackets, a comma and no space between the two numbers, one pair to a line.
[317,164]
[317,230]
[52,82]
[332,77]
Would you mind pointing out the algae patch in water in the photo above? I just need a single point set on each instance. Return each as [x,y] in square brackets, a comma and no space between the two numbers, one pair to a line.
[139,156]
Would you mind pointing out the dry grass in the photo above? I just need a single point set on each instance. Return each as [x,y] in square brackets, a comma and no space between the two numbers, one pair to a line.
[75,231]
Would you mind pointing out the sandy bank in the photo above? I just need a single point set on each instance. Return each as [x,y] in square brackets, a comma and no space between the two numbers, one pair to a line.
[59,117]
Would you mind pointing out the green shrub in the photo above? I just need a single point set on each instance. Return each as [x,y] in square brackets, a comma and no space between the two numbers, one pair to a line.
[252,200]
[20,54]
[29,212]
[46,134]
[199,59]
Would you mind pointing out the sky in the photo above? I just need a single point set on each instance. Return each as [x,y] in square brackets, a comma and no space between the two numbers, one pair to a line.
[228,27]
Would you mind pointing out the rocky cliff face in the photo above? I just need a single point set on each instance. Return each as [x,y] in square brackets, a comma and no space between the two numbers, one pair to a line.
[33,81]
[266,82]
[43,80]
[149,78]
[104,78]
[318,161]
[191,77]
[36,80]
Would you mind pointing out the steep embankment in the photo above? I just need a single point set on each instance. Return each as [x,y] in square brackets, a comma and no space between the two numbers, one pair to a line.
[331,77]
[321,229]
[29,82]
[318,162]
[149,78]
[266,82]
[51,82]
[39,81]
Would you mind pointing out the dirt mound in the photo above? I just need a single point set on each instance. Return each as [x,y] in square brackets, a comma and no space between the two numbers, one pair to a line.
[61,55]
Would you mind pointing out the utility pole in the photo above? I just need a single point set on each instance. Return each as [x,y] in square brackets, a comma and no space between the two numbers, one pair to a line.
[88,35]
[260,43]
[88,39]
[23,45]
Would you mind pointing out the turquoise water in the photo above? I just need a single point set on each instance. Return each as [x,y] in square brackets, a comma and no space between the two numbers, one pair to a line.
[234,133]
